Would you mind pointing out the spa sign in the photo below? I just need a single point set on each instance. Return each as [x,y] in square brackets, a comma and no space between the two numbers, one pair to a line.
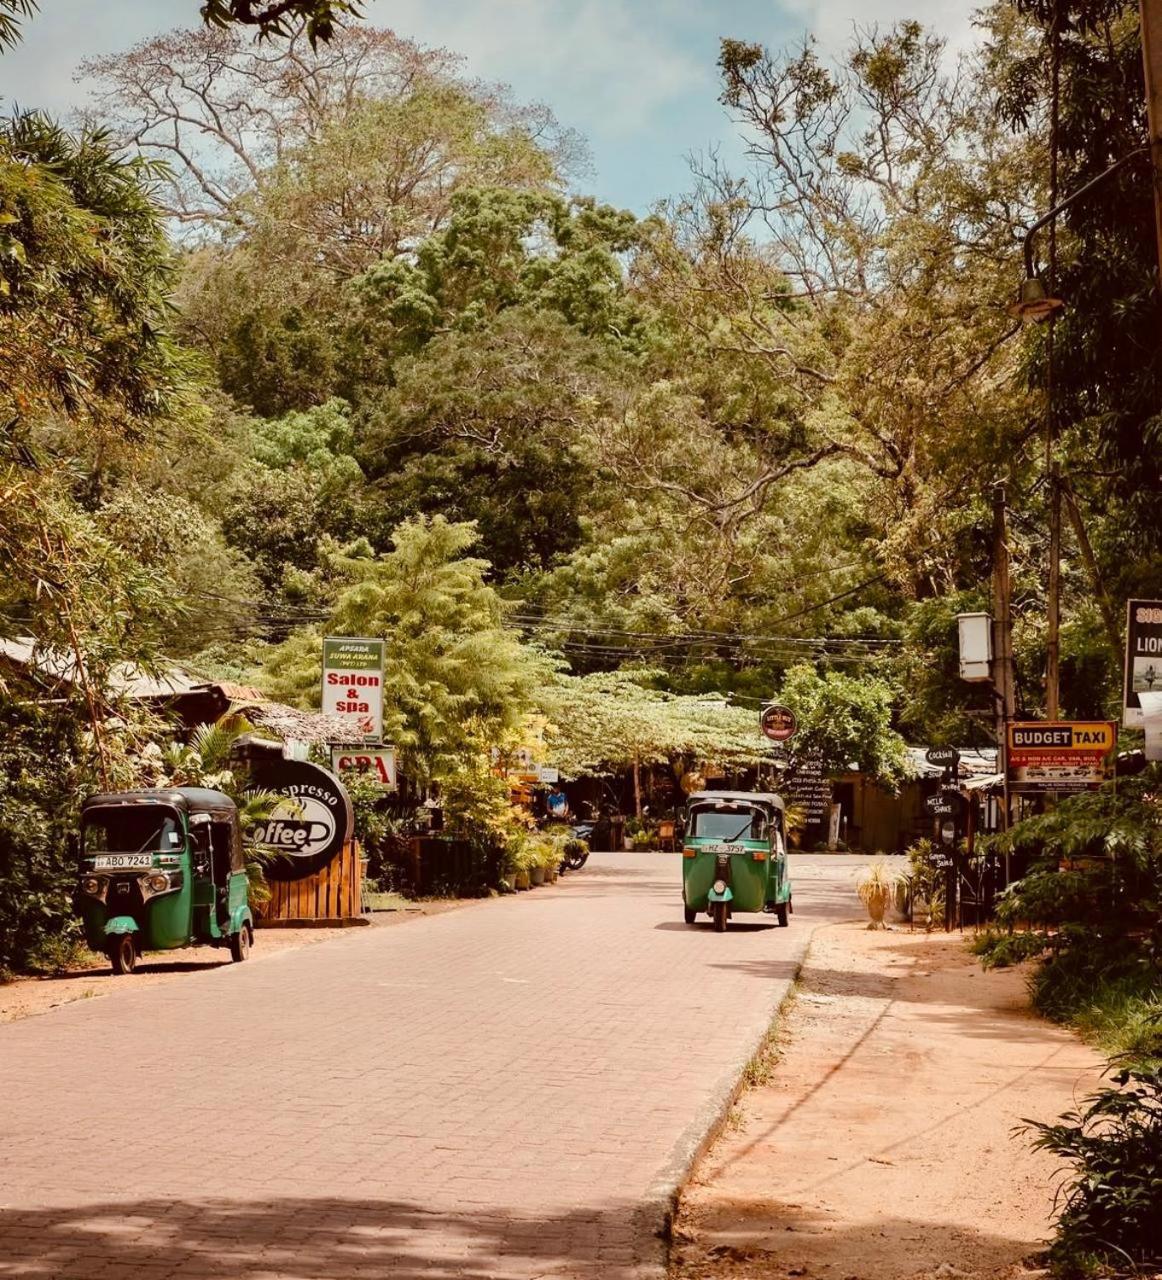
[1060,755]
[353,684]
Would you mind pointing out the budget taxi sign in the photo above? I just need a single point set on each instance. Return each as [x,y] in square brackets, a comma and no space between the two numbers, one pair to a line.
[353,684]
[1059,755]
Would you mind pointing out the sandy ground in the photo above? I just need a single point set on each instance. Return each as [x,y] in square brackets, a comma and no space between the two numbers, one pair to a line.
[881,1144]
[92,977]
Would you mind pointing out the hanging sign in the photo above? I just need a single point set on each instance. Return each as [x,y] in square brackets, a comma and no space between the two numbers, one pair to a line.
[353,684]
[1143,658]
[310,825]
[1059,755]
[778,723]
[377,762]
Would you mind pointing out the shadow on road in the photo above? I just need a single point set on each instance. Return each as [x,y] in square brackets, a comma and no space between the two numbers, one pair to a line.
[326,1239]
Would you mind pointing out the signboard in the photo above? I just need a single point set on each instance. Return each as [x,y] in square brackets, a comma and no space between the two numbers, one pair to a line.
[943,757]
[943,805]
[353,684]
[778,723]
[805,785]
[379,762]
[1143,658]
[310,826]
[1059,755]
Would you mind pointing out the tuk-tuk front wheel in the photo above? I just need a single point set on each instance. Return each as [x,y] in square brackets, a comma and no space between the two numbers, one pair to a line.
[781,914]
[122,953]
[718,913]
[689,914]
[240,944]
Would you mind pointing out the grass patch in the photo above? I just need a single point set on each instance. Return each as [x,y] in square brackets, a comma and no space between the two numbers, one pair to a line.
[769,1054]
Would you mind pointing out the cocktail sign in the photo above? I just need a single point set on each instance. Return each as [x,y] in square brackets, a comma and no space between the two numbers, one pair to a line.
[778,723]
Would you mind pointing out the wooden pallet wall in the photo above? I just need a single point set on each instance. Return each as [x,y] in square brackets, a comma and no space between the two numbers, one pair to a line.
[335,893]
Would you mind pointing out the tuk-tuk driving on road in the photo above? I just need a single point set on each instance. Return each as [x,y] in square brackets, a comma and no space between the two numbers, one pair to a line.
[163,869]
[734,856]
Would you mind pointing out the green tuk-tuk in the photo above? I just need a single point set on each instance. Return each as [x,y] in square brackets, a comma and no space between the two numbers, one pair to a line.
[734,856]
[162,869]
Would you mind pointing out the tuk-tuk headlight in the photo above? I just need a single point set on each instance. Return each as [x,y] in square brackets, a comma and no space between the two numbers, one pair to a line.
[157,883]
[93,885]
[720,886]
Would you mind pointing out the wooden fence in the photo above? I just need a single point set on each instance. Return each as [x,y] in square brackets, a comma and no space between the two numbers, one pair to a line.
[333,895]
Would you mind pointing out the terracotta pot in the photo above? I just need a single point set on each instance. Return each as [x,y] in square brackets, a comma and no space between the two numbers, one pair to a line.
[522,880]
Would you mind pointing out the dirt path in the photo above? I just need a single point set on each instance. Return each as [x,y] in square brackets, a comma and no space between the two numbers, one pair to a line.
[881,1145]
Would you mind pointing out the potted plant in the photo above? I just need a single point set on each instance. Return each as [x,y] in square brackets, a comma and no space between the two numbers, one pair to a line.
[876,885]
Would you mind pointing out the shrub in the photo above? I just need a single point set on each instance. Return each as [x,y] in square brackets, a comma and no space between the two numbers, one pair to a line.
[1111,1216]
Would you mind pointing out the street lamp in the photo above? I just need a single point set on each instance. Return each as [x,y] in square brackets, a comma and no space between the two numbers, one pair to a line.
[1034,302]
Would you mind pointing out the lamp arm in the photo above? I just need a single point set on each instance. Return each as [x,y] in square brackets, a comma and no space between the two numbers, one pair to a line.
[1072,199]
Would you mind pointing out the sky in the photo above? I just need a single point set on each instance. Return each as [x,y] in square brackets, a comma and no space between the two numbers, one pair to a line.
[635,77]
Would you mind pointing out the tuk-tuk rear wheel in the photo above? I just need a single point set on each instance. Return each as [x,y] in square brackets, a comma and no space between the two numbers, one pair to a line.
[240,944]
[689,914]
[123,953]
[781,914]
[718,915]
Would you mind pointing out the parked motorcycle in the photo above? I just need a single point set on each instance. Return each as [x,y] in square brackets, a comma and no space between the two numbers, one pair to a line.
[577,846]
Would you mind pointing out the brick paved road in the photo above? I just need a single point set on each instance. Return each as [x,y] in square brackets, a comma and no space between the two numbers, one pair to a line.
[492,1092]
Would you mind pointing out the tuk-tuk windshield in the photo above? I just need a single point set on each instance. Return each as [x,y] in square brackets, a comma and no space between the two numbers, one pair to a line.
[735,822]
[131,829]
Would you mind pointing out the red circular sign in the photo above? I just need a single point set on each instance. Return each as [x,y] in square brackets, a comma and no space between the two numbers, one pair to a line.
[778,723]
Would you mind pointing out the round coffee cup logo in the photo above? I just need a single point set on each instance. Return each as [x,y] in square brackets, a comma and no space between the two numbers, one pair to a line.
[309,826]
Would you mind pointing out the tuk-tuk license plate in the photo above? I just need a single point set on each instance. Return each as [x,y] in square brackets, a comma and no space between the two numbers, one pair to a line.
[724,848]
[123,862]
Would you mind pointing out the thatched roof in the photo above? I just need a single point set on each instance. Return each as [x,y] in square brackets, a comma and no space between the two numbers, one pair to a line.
[292,724]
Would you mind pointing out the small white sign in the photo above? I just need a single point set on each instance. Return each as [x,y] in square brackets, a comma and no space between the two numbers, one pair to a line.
[546,773]
[377,761]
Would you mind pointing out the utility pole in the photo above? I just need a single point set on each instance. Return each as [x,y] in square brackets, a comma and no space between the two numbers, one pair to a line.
[1052,476]
[1151,22]
[1004,682]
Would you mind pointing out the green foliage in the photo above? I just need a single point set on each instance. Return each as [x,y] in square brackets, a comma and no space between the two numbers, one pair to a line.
[458,679]
[845,720]
[1110,1223]
[1089,909]
[926,880]
[612,720]
[38,805]
[279,17]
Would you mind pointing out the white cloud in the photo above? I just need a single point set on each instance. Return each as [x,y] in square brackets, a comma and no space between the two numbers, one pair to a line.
[832,21]
[612,64]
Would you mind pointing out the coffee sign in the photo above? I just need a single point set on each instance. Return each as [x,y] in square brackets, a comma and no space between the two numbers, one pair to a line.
[353,684]
[311,823]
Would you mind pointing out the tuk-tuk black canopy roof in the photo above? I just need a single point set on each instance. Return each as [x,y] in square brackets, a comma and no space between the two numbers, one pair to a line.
[738,797]
[188,799]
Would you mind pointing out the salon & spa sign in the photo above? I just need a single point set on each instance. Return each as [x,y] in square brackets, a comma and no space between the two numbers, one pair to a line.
[353,684]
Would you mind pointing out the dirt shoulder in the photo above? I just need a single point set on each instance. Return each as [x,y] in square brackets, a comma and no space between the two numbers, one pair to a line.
[881,1144]
[91,977]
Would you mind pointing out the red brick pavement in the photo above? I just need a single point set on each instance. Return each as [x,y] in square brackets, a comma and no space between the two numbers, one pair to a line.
[489,1093]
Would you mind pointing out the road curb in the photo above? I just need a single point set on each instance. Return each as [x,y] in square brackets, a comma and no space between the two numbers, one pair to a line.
[659,1206]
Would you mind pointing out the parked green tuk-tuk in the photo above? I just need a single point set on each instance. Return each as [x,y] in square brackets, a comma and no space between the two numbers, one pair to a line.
[162,869]
[734,856]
